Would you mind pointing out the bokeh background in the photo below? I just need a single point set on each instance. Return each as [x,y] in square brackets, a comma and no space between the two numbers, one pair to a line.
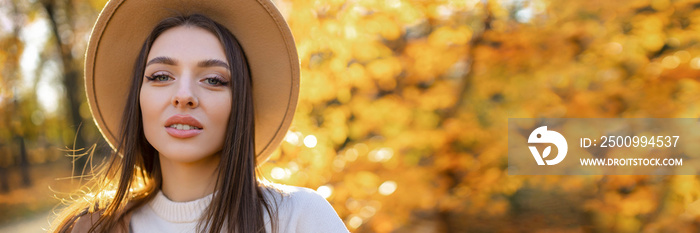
[402,118]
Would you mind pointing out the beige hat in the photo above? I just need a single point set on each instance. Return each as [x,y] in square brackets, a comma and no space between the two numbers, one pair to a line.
[267,41]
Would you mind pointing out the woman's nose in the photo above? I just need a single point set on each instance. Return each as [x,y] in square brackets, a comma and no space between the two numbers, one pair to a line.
[185,98]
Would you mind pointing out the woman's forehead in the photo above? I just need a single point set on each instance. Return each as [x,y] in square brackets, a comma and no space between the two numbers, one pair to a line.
[187,45]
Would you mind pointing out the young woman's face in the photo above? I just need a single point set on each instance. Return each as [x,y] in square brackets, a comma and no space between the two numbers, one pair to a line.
[185,96]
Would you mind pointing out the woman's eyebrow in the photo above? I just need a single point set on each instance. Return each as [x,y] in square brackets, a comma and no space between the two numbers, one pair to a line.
[173,62]
[213,62]
[162,60]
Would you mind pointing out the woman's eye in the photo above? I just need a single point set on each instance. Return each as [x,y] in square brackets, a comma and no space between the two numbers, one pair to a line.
[215,81]
[159,78]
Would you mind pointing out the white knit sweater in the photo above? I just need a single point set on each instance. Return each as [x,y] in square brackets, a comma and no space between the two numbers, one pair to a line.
[299,210]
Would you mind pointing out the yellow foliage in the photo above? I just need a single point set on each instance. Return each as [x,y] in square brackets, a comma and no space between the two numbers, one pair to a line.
[415,96]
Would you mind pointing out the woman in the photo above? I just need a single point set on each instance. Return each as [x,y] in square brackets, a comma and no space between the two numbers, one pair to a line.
[200,110]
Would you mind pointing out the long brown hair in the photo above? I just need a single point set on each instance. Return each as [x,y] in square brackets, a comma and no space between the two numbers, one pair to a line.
[132,176]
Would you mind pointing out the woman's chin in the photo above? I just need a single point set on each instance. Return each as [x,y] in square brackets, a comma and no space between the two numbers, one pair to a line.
[183,154]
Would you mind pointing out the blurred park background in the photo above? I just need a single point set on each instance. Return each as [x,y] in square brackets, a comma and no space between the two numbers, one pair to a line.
[402,119]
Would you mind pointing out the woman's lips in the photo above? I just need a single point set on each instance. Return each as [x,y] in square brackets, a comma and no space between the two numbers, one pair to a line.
[183,126]
[181,133]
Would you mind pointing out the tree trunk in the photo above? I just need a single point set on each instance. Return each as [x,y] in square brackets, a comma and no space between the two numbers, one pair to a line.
[71,76]
[4,181]
[24,163]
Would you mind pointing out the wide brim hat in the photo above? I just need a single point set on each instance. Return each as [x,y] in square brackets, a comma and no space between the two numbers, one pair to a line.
[122,28]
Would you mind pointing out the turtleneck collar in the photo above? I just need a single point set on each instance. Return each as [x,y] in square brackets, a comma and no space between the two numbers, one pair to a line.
[179,212]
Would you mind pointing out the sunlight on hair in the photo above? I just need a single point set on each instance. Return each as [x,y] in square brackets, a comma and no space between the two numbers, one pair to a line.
[310,141]
[387,188]
[325,191]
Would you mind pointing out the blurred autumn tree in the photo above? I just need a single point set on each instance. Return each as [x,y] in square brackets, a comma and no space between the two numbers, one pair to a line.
[403,110]
[42,105]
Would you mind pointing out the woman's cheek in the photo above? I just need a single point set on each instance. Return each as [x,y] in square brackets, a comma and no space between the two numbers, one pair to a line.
[220,112]
[150,112]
